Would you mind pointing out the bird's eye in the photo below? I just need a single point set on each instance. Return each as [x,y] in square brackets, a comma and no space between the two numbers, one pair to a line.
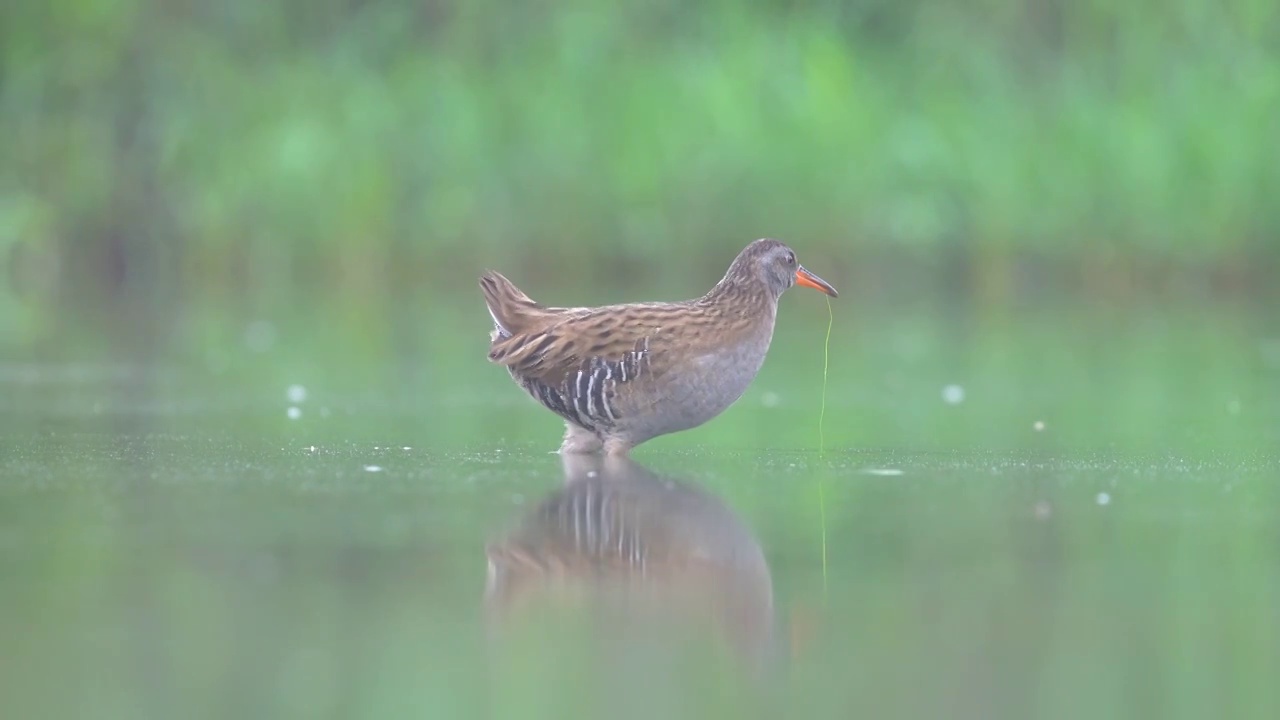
[791,258]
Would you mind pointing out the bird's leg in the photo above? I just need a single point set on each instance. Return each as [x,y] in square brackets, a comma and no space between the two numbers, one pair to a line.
[579,440]
[617,447]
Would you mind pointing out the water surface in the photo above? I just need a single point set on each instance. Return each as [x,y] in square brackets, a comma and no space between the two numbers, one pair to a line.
[1019,524]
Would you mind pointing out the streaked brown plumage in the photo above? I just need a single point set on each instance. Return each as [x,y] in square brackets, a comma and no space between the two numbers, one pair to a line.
[622,374]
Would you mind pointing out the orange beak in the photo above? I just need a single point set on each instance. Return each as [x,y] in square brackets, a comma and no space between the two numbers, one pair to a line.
[809,280]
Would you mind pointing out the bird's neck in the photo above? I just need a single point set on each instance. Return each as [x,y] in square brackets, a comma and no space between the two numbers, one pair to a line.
[742,291]
[745,308]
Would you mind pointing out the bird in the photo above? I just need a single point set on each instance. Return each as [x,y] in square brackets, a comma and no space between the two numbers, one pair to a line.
[620,375]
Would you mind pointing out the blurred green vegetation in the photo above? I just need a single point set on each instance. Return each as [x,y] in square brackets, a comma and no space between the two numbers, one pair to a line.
[1066,209]
[246,152]
[304,192]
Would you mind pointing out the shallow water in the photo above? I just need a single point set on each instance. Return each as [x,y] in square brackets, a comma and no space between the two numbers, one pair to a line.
[177,574]
[1087,536]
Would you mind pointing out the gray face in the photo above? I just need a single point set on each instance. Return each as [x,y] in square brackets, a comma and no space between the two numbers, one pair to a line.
[778,267]
[774,265]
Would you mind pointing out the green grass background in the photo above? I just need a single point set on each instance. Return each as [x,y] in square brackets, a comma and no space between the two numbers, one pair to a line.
[244,153]
[1067,208]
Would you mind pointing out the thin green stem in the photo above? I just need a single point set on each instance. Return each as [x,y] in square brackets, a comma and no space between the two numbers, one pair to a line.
[822,443]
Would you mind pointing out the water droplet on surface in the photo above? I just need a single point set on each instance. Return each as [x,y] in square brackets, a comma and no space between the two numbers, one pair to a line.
[953,394]
[1038,426]
[770,399]
[373,468]
[294,412]
[1104,498]
[886,472]
[297,393]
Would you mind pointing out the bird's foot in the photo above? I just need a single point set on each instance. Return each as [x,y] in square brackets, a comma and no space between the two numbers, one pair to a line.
[579,440]
[616,448]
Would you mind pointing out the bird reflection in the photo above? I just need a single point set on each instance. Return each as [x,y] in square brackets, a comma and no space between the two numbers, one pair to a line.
[620,545]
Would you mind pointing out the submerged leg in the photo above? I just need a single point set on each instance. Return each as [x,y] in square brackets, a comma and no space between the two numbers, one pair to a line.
[579,440]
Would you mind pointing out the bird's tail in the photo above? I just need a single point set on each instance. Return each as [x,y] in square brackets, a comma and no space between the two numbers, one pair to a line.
[512,311]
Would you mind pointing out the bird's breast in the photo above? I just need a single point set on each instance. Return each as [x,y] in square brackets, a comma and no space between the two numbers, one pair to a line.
[705,383]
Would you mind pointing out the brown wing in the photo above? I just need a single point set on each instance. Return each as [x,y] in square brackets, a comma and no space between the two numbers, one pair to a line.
[578,363]
[579,338]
